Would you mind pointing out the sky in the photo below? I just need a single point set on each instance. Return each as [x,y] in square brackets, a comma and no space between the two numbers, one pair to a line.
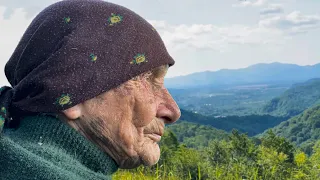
[203,35]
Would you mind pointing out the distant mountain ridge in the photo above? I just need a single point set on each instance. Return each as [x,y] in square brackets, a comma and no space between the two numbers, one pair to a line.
[272,73]
[295,100]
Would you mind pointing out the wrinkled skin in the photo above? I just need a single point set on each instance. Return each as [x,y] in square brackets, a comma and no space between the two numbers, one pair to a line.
[126,122]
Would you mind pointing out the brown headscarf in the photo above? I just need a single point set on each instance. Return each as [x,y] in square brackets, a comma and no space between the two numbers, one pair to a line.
[75,50]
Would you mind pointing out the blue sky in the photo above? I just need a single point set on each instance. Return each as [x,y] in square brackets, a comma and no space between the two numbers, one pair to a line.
[204,35]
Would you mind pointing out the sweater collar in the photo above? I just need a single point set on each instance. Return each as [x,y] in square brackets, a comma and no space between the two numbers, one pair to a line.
[43,129]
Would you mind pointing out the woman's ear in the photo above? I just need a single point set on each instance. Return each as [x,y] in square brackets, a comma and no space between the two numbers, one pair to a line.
[73,112]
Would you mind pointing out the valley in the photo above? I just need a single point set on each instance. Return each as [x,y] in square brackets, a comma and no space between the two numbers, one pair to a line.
[251,108]
[228,101]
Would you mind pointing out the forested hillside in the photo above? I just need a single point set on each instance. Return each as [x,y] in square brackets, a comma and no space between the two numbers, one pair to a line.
[251,124]
[303,129]
[195,135]
[295,100]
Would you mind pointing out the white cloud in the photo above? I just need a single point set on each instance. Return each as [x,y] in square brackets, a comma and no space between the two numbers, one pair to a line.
[272,9]
[30,7]
[247,3]
[11,31]
[218,38]
[294,22]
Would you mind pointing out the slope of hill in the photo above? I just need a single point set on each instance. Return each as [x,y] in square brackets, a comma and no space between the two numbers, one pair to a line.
[273,73]
[251,124]
[301,129]
[195,135]
[295,100]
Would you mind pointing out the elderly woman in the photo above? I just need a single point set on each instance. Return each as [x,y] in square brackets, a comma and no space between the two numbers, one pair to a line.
[87,94]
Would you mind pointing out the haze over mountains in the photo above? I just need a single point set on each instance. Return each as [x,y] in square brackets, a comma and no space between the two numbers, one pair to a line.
[273,73]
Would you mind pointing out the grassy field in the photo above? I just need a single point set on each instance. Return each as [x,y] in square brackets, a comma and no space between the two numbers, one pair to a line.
[238,158]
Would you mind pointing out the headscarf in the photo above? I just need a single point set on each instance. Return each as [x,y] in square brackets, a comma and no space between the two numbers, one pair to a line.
[75,50]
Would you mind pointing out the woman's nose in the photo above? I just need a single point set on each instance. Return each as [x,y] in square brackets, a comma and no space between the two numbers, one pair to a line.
[168,110]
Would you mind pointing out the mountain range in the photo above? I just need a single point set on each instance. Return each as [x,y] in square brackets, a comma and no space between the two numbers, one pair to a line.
[273,73]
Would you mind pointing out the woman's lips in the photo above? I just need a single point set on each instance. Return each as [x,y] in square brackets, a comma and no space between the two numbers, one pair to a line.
[154,137]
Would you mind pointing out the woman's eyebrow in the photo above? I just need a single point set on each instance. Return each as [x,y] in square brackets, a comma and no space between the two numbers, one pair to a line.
[160,71]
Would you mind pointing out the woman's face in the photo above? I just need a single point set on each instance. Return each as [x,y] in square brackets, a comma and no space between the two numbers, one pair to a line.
[128,122]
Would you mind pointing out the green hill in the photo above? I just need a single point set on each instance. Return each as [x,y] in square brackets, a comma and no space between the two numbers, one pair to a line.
[303,129]
[295,100]
[195,135]
[251,124]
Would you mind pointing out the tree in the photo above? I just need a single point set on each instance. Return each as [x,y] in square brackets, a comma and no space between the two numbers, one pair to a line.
[279,144]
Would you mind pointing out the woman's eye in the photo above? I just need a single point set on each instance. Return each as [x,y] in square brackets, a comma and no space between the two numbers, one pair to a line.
[158,84]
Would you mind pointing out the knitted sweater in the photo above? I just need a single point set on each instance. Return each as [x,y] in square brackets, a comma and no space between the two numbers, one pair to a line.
[45,148]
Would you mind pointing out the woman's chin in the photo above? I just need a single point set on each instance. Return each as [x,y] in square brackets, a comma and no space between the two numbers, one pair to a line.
[148,156]
[151,154]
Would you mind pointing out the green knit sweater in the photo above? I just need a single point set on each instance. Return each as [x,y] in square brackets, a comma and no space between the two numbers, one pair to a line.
[44,147]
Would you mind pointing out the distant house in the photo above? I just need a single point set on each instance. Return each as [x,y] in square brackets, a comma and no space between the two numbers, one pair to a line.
[220,116]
